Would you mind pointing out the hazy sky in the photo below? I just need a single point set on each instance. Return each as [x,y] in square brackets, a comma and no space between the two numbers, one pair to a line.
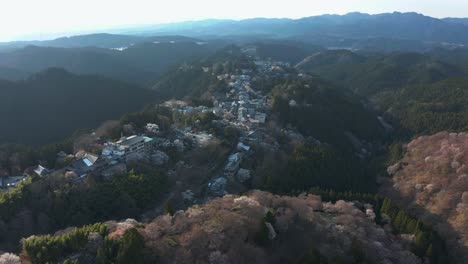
[20,18]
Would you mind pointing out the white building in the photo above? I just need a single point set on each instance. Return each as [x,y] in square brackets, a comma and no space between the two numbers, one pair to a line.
[136,144]
[128,145]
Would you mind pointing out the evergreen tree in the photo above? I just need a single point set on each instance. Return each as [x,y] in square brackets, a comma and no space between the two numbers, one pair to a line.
[131,249]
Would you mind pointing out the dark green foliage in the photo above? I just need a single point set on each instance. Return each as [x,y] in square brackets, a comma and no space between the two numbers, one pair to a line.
[270,217]
[395,153]
[419,92]
[357,251]
[427,240]
[325,112]
[55,103]
[190,80]
[313,257]
[141,63]
[428,243]
[43,249]
[15,158]
[427,109]
[371,75]
[261,238]
[151,114]
[107,253]
[231,135]
[68,261]
[169,208]
[200,121]
[13,199]
[55,203]
[196,101]
[314,165]
[131,248]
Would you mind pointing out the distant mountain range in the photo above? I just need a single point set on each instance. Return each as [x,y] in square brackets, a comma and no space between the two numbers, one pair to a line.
[457,20]
[341,30]
[100,40]
[408,26]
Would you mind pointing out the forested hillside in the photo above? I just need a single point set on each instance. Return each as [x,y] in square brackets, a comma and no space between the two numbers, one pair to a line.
[428,109]
[256,228]
[419,93]
[53,104]
[140,63]
[196,77]
[431,182]
[372,74]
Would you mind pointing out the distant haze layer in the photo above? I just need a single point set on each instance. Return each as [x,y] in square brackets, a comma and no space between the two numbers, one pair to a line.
[23,19]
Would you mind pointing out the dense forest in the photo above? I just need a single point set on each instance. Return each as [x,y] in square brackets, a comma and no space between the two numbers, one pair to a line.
[51,105]
[419,93]
[46,205]
[427,109]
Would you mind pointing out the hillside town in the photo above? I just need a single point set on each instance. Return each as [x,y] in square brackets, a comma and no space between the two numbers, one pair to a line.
[241,107]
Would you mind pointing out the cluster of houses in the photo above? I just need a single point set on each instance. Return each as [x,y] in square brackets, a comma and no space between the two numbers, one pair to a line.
[241,105]
[111,161]
[246,109]
[113,158]
[7,182]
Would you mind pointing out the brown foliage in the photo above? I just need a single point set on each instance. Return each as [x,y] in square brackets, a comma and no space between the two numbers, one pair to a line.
[225,230]
[433,182]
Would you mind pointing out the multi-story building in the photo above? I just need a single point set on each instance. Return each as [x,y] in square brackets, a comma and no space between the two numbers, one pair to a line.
[128,146]
[136,144]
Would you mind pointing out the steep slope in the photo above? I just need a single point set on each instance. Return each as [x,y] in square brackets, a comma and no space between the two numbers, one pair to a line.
[54,103]
[256,228]
[370,75]
[324,111]
[328,58]
[428,109]
[431,181]
[81,61]
[196,77]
